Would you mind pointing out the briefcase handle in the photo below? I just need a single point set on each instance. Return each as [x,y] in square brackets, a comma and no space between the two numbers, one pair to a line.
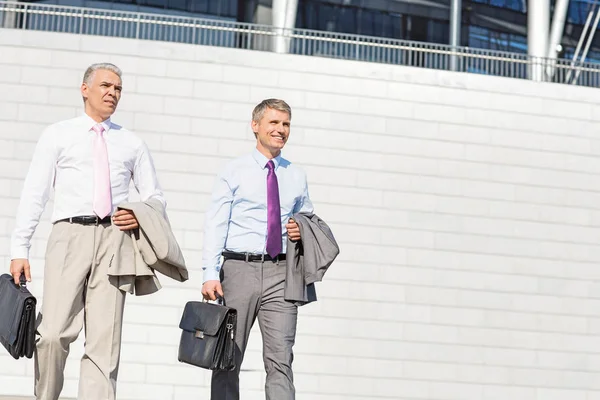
[22,280]
[220,299]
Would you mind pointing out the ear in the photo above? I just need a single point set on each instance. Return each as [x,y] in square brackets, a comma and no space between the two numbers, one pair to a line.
[254,126]
[84,91]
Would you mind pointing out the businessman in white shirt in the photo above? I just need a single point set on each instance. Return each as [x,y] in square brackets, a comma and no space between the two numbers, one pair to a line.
[89,161]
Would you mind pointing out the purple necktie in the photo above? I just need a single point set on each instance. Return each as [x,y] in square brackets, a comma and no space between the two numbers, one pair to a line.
[273,213]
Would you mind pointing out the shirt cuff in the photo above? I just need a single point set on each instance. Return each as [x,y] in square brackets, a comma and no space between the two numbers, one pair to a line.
[19,252]
[211,274]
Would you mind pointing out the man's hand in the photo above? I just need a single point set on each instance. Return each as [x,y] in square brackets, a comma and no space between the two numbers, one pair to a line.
[18,266]
[209,288]
[293,230]
[125,220]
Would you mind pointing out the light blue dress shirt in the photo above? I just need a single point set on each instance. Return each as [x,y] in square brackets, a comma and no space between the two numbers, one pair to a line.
[236,219]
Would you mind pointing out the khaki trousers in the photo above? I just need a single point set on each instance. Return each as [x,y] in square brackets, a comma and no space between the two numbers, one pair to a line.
[77,294]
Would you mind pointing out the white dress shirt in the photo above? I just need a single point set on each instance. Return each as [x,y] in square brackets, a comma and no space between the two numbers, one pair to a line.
[236,219]
[63,160]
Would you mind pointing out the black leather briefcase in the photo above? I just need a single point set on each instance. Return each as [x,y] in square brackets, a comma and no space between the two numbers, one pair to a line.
[208,335]
[17,317]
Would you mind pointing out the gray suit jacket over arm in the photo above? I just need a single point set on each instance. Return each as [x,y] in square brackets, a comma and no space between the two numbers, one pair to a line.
[309,258]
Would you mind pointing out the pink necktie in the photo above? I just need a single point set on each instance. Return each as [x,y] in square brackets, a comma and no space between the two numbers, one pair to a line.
[102,196]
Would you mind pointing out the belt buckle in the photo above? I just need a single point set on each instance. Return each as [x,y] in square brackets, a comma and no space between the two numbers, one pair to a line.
[247,255]
[262,258]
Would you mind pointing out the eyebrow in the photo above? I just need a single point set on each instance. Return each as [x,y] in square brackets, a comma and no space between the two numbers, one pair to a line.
[112,84]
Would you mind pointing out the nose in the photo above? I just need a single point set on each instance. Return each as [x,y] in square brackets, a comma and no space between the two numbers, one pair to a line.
[112,91]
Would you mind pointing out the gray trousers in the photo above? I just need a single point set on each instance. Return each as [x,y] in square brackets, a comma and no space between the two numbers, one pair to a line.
[255,289]
[77,294]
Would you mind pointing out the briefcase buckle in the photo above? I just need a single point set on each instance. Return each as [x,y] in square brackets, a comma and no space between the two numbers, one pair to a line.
[199,335]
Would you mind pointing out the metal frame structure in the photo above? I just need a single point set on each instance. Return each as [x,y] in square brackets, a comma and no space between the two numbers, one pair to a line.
[212,32]
[588,35]
[538,21]
[455,26]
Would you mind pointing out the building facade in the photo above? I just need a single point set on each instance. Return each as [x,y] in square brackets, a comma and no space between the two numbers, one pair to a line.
[486,24]
[466,207]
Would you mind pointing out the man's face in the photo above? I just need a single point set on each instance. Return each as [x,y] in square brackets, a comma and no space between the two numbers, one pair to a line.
[272,131]
[102,93]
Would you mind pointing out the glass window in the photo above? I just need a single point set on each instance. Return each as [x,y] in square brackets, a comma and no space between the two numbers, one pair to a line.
[484,38]
[517,5]
[578,12]
[438,32]
[199,6]
[417,28]
[366,23]
[348,19]
[214,7]
[178,4]
[153,3]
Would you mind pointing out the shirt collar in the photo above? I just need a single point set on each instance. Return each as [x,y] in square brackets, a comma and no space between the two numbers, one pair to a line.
[90,123]
[262,161]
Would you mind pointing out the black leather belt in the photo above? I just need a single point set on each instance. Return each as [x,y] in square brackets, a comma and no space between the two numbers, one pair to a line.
[87,220]
[249,257]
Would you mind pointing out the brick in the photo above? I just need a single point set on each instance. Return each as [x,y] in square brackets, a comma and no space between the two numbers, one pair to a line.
[10,73]
[186,182]
[161,123]
[191,107]
[8,111]
[151,67]
[13,169]
[295,98]
[67,78]
[448,390]
[26,94]
[190,144]
[359,234]
[141,103]
[131,372]
[245,75]
[70,97]
[215,91]
[45,114]
[191,70]
[73,60]
[147,391]
[28,56]
[559,394]
[7,148]
[440,113]
[497,392]
[27,131]
[23,150]
[163,86]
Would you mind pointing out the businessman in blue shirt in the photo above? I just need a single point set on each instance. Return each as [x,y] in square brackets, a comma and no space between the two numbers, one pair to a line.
[248,223]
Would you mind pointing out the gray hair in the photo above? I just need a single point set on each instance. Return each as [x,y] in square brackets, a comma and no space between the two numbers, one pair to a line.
[275,104]
[89,73]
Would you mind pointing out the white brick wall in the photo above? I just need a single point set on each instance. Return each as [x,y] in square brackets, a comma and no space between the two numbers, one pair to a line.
[467,208]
